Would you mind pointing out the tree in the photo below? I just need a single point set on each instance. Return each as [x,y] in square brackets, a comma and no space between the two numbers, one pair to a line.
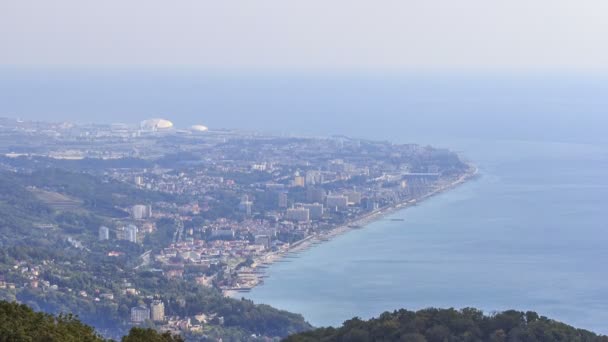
[20,323]
[450,325]
[150,335]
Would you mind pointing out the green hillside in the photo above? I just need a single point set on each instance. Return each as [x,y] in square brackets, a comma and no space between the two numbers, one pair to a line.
[450,325]
[18,322]
[51,259]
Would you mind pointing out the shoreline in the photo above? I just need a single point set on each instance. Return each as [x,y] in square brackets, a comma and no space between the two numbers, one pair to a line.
[262,263]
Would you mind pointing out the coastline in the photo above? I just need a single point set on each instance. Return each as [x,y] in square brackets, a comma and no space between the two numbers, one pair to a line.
[261,263]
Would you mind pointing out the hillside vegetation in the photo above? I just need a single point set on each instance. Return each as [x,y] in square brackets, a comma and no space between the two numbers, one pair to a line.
[450,325]
[50,254]
[18,322]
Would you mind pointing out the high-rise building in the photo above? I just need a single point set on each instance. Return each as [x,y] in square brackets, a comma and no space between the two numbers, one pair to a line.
[315,195]
[299,181]
[139,180]
[314,177]
[337,202]
[354,197]
[246,205]
[223,234]
[282,199]
[139,314]
[131,233]
[263,240]
[140,211]
[298,214]
[315,210]
[104,233]
[157,310]
[369,204]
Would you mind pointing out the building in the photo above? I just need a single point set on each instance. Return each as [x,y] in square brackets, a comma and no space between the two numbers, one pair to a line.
[282,200]
[140,314]
[140,211]
[336,202]
[315,195]
[199,128]
[263,240]
[259,167]
[315,210]
[223,234]
[157,310]
[369,204]
[153,125]
[104,233]
[131,233]
[139,180]
[354,198]
[299,181]
[245,205]
[314,177]
[298,214]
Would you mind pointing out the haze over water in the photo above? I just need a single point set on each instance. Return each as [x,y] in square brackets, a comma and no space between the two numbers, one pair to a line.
[529,234]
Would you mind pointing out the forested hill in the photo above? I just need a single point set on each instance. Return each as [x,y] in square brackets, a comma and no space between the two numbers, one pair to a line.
[20,323]
[52,259]
[439,325]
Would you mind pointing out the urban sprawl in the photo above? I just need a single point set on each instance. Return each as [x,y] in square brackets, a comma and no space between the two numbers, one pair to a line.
[232,202]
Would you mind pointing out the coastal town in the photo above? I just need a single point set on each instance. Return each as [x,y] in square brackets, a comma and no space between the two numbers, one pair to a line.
[220,206]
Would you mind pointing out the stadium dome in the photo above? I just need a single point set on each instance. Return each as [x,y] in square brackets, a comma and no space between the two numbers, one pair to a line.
[156,124]
[199,128]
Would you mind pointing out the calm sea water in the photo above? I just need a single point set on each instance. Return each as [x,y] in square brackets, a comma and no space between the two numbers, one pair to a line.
[530,233]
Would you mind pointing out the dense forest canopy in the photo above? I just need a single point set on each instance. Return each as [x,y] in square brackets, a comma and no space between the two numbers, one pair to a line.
[447,325]
[18,322]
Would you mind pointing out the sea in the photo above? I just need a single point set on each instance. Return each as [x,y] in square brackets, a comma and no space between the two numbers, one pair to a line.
[529,233]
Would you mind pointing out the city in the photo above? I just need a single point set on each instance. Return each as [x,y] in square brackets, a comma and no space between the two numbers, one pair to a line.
[210,208]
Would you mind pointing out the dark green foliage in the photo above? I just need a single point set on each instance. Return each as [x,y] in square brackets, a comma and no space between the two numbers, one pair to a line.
[21,210]
[92,164]
[447,325]
[150,335]
[163,235]
[20,323]
[184,299]
[98,195]
[18,207]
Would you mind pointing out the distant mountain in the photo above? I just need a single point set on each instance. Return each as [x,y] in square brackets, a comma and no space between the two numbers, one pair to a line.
[447,325]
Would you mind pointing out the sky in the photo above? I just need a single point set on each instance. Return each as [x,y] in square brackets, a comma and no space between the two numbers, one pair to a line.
[308,34]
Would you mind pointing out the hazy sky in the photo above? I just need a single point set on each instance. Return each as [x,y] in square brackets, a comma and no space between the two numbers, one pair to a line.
[399,34]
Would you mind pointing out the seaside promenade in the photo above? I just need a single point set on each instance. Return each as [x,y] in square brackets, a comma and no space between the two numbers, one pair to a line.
[258,269]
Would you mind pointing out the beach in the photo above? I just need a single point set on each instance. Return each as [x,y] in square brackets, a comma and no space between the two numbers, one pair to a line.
[257,273]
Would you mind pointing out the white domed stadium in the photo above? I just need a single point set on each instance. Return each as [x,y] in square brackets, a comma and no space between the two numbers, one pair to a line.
[156,124]
[199,128]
